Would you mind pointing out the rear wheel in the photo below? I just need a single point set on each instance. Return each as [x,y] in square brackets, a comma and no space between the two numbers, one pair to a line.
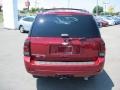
[21,28]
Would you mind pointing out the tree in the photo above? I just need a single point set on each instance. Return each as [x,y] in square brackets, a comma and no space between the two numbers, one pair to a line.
[34,10]
[97,10]
[110,9]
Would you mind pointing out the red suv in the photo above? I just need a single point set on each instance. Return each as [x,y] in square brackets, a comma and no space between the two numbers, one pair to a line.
[64,42]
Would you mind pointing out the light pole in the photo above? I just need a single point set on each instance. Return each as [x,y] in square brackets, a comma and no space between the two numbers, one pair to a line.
[68,4]
[105,7]
[106,2]
[97,8]
[35,3]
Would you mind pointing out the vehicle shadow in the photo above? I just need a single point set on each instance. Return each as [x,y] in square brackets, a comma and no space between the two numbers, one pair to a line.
[100,82]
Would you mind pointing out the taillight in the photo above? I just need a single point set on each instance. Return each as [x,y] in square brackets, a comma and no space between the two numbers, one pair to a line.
[102,50]
[27,47]
[102,54]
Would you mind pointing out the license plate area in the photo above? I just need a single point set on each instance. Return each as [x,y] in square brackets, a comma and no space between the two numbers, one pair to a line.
[70,49]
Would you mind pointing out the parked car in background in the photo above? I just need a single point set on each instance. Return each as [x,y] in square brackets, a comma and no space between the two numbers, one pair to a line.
[108,19]
[114,19]
[99,24]
[117,19]
[25,23]
[64,43]
[20,16]
[103,23]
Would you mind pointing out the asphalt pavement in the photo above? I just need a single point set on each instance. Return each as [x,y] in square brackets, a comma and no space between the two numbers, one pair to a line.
[13,75]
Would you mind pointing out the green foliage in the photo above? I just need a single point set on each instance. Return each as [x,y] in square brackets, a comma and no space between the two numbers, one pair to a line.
[104,13]
[107,13]
[34,10]
[98,10]
[21,11]
[111,9]
[24,9]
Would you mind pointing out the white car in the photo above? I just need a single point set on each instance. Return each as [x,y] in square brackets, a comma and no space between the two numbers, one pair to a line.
[25,23]
[109,20]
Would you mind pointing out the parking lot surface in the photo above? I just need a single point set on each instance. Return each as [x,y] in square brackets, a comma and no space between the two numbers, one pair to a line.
[13,75]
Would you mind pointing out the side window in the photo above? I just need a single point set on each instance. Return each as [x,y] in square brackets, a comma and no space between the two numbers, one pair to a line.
[29,19]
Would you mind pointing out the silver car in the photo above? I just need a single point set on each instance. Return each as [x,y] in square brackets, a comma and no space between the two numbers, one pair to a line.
[25,23]
[109,20]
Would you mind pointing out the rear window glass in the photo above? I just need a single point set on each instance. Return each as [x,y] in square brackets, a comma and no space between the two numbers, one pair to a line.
[73,25]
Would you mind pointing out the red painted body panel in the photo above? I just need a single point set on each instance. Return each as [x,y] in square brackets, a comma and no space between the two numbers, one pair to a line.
[53,70]
[66,12]
[40,46]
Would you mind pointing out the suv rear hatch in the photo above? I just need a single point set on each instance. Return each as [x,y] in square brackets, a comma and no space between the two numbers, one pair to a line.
[83,44]
[55,49]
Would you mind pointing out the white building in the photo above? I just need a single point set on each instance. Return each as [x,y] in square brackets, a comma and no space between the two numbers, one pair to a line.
[10,14]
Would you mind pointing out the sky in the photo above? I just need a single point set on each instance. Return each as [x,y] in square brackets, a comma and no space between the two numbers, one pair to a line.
[80,4]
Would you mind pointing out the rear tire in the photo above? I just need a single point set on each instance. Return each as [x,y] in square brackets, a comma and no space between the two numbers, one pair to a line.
[21,28]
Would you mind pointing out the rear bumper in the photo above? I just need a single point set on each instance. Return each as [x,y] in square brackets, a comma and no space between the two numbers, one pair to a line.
[76,70]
